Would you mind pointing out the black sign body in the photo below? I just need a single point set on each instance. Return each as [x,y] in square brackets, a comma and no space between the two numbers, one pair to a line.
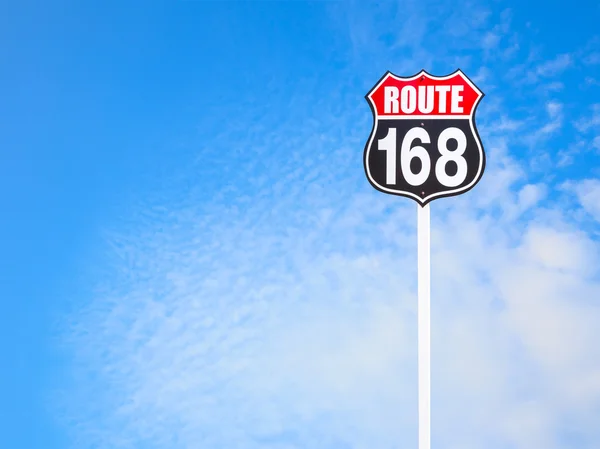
[424,144]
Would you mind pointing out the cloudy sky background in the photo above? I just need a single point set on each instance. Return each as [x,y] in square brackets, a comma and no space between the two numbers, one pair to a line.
[195,259]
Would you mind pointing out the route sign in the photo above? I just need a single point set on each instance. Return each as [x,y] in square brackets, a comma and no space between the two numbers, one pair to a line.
[424,144]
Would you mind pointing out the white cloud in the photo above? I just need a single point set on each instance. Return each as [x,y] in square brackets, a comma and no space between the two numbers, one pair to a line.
[504,124]
[567,156]
[589,81]
[530,71]
[591,120]
[530,195]
[490,40]
[553,87]
[588,193]
[554,66]
[299,329]
[540,136]
[481,76]
[554,110]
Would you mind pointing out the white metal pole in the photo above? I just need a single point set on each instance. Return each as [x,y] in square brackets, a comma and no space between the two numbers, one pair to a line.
[424,332]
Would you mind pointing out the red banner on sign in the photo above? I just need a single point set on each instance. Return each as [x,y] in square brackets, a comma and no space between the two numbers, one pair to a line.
[422,95]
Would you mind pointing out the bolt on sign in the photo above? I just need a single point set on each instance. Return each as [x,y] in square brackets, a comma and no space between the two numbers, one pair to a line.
[424,144]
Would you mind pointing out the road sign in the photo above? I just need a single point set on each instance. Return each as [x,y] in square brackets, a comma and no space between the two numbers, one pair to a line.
[424,144]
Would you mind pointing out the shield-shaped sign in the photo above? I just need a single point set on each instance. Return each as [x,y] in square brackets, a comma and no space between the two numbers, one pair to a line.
[424,144]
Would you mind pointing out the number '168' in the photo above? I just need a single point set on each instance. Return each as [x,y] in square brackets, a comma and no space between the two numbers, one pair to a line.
[409,152]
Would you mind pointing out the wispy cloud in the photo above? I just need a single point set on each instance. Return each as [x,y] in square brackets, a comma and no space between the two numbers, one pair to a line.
[537,139]
[567,156]
[531,71]
[592,58]
[588,195]
[591,119]
[554,66]
[491,40]
[300,330]
[590,81]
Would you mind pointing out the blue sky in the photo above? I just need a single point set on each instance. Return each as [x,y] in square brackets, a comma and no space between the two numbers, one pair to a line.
[193,257]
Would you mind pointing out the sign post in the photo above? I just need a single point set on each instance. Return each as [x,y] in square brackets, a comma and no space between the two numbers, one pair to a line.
[424,145]
[424,334]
